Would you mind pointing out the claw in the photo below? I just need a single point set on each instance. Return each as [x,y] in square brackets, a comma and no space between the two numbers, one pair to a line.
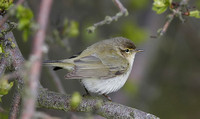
[107,97]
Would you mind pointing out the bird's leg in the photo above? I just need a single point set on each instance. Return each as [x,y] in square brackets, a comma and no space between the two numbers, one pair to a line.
[87,92]
[107,97]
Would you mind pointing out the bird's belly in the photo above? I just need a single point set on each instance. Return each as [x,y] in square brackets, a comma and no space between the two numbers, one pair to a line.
[105,86]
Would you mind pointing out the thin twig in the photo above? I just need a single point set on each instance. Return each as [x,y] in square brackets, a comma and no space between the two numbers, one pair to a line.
[120,6]
[57,81]
[175,12]
[166,25]
[109,19]
[36,57]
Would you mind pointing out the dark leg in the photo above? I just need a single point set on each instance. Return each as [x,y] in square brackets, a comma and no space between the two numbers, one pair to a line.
[107,97]
[87,92]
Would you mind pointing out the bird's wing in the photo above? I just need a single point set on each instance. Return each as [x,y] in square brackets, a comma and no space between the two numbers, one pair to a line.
[94,67]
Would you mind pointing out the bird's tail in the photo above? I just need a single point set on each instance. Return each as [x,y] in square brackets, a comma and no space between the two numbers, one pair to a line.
[59,64]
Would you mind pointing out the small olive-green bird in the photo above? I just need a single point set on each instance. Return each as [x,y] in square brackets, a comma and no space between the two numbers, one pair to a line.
[103,67]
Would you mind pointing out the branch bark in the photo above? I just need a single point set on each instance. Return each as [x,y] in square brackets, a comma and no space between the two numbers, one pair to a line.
[53,100]
[13,61]
[2,66]
[35,59]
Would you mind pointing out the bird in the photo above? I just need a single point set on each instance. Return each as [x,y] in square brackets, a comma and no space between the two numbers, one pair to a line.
[103,67]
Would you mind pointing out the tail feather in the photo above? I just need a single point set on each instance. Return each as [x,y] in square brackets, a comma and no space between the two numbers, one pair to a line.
[59,64]
[52,63]
[57,68]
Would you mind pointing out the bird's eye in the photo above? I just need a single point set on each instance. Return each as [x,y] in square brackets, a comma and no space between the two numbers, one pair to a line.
[127,50]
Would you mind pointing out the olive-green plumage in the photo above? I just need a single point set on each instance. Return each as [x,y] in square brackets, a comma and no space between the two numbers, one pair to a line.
[102,61]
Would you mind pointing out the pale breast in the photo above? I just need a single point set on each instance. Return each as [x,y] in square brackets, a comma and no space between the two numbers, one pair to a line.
[107,86]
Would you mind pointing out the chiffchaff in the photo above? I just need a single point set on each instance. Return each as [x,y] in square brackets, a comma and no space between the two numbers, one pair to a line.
[103,67]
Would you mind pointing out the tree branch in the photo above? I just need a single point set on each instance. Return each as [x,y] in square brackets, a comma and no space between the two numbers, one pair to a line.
[14,60]
[17,62]
[35,58]
[2,66]
[120,6]
[53,100]
[15,105]
[109,19]
[57,81]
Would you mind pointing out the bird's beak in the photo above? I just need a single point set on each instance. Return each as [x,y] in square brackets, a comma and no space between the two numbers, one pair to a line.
[139,50]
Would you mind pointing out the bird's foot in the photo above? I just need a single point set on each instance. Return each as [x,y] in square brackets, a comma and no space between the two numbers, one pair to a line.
[107,97]
[86,95]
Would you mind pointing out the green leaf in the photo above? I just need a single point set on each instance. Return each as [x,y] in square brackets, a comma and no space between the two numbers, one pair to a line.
[5,4]
[160,6]
[23,24]
[159,3]
[159,10]
[4,87]
[24,16]
[1,49]
[73,29]
[195,14]
[25,35]
[75,100]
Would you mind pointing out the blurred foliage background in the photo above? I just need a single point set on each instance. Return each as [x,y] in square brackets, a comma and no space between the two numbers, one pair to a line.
[165,79]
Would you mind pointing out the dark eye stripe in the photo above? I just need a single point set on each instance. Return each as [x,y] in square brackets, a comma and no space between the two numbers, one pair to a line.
[126,50]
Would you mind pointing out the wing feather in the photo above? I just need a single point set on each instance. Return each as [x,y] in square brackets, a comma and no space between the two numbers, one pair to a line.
[95,67]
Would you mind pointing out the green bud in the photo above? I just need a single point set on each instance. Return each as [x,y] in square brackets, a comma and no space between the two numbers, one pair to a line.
[91,29]
[1,50]
[4,87]
[195,14]
[160,6]
[75,100]
[73,29]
